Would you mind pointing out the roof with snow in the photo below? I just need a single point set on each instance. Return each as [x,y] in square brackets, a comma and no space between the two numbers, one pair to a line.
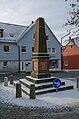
[76,41]
[14,33]
[11,31]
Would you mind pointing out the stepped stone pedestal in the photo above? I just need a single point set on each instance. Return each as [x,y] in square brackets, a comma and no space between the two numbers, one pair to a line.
[42,86]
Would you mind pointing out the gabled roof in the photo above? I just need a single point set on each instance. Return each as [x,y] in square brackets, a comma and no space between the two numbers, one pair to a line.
[75,40]
[14,33]
[33,24]
[25,31]
[53,34]
[11,32]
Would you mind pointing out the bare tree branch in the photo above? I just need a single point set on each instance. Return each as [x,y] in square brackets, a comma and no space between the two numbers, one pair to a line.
[74,14]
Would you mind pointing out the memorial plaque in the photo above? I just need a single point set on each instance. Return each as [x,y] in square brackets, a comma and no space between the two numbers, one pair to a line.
[43,65]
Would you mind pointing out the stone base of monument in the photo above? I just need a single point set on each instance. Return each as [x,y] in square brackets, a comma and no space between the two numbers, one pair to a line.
[42,85]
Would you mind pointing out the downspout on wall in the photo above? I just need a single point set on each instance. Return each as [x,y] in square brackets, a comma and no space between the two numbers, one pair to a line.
[18,57]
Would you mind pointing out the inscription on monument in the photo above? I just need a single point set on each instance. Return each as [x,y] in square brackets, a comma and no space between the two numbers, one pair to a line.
[43,65]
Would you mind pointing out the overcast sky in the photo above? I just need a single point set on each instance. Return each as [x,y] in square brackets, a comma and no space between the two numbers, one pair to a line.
[24,11]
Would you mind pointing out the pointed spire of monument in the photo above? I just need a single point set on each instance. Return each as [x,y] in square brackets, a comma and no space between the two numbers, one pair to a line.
[40,37]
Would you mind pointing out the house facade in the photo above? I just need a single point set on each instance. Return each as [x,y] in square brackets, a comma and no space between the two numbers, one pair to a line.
[70,55]
[16,47]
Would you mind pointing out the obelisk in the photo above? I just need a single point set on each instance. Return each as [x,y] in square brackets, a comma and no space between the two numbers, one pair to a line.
[40,57]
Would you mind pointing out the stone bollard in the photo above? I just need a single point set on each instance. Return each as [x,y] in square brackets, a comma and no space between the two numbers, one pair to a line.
[78,83]
[32,91]
[5,81]
[18,90]
[11,79]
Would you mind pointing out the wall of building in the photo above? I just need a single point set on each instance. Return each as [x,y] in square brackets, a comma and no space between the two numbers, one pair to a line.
[12,55]
[70,56]
[53,43]
[73,62]
[28,41]
[12,66]
[26,58]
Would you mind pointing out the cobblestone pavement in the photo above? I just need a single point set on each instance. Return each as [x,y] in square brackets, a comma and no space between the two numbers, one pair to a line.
[9,111]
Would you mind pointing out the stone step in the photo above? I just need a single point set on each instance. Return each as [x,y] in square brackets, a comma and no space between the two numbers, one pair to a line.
[45,85]
[25,82]
[37,86]
[50,90]
[25,90]
[44,91]
[42,80]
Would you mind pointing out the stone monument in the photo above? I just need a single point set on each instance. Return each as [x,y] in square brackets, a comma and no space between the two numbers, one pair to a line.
[40,81]
[40,57]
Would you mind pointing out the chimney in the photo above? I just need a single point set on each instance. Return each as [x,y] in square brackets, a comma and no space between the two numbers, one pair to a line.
[32,22]
[69,38]
[1,32]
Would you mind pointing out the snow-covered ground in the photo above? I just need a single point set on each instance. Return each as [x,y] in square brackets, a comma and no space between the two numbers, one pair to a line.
[63,98]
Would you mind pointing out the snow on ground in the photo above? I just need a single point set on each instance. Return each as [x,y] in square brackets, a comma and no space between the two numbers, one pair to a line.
[63,98]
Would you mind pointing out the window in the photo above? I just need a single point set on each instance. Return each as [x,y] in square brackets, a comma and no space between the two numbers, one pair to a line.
[71,46]
[53,63]
[65,63]
[23,49]
[53,50]
[32,49]
[6,48]
[5,63]
[49,50]
[47,37]
[11,34]
[26,65]
[34,36]
[0,34]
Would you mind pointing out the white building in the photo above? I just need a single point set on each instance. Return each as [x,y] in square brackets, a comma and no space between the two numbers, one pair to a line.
[16,45]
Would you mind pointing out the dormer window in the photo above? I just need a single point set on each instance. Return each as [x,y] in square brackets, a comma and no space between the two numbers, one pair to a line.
[34,36]
[11,34]
[47,37]
[71,46]
[1,32]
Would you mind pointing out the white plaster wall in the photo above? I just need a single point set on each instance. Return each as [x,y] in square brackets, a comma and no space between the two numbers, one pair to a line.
[12,66]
